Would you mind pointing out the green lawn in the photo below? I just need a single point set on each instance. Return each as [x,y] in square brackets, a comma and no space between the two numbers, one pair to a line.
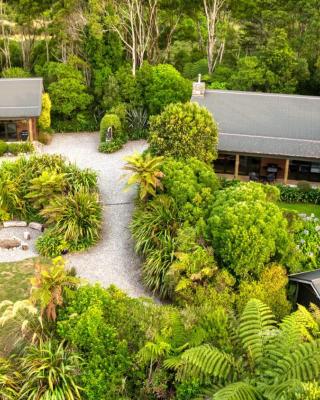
[302,208]
[15,280]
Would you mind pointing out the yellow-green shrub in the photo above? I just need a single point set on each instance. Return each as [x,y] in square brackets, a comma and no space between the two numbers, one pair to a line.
[44,120]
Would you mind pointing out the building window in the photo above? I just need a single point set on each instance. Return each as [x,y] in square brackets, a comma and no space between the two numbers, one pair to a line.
[225,164]
[304,171]
[8,131]
[249,164]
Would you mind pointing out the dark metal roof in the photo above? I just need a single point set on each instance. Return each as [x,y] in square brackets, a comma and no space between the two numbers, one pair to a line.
[20,97]
[311,277]
[269,124]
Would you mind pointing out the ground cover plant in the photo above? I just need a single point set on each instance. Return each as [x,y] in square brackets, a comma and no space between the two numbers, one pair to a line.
[58,194]
[15,148]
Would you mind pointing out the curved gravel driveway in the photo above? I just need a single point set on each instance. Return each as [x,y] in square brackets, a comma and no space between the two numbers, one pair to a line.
[113,260]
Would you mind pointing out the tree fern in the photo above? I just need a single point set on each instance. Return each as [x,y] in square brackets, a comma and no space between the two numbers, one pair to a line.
[256,323]
[303,363]
[204,361]
[238,391]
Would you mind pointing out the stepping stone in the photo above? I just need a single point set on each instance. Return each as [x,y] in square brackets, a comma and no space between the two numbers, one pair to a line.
[9,243]
[26,235]
[24,246]
[14,224]
[36,226]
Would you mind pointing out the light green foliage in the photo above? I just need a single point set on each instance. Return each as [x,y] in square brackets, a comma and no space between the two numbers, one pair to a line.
[111,146]
[44,120]
[15,72]
[250,75]
[110,121]
[248,231]
[45,187]
[3,147]
[165,86]
[183,131]
[20,148]
[9,379]
[145,171]
[270,289]
[193,185]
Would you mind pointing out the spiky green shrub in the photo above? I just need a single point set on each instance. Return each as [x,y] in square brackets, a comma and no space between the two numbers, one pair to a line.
[3,147]
[153,228]
[76,217]
[50,371]
[9,380]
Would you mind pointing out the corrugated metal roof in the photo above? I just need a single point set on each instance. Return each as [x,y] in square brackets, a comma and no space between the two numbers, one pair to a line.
[20,97]
[270,124]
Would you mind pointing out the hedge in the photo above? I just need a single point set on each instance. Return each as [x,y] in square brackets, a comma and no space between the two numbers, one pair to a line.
[290,194]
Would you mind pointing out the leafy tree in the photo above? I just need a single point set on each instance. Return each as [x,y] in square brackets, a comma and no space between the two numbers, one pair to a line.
[166,86]
[183,131]
[250,75]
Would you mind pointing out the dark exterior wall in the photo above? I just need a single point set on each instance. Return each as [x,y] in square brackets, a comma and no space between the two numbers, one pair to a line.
[277,161]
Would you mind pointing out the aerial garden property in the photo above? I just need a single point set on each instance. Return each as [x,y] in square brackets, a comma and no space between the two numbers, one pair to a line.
[159,200]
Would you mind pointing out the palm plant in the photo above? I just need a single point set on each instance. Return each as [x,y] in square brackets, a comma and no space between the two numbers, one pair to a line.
[49,286]
[275,360]
[46,186]
[50,372]
[146,173]
[137,120]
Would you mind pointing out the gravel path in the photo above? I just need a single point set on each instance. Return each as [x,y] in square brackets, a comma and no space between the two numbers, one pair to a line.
[113,260]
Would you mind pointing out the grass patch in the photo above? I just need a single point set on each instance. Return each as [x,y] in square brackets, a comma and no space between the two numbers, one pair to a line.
[15,280]
[301,208]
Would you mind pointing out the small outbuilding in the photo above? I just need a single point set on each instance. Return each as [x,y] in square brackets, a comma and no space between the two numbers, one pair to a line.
[20,107]
[307,287]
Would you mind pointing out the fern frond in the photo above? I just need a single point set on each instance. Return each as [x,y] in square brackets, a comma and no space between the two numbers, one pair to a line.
[303,364]
[205,361]
[238,391]
[256,324]
[282,390]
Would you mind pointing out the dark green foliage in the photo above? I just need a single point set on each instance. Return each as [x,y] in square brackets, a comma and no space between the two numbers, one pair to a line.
[184,131]
[290,194]
[112,146]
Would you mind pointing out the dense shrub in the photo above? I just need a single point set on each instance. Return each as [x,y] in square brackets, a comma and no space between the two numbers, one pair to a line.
[110,121]
[192,184]
[3,148]
[15,72]
[291,194]
[270,289]
[165,86]
[248,231]
[44,120]
[112,146]
[48,189]
[184,130]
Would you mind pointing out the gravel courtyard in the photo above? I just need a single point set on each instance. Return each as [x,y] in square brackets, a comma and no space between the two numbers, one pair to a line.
[113,260]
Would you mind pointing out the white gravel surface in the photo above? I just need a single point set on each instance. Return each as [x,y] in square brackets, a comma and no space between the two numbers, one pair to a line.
[113,260]
[18,254]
